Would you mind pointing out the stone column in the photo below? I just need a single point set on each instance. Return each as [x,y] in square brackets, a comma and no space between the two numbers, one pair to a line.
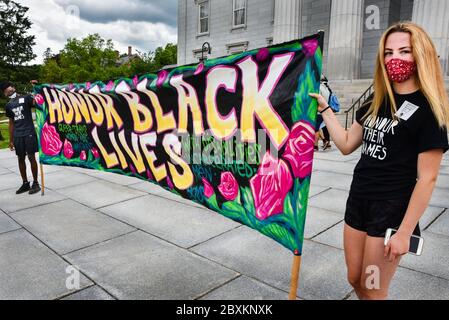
[345,40]
[287,20]
[433,17]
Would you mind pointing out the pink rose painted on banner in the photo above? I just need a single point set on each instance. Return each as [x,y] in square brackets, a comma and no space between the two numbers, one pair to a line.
[208,189]
[169,183]
[228,187]
[309,47]
[68,149]
[270,186]
[50,140]
[162,76]
[95,153]
[135,81]
[87,85]
[39,99]
[299,149]
[109,86]
[83,155]
[199,69]
[262,54]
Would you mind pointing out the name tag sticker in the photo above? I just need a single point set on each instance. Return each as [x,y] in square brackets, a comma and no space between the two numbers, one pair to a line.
[406,110]
[22,100]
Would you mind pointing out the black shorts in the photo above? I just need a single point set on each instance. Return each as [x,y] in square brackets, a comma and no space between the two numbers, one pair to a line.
[26,145]
[375,216]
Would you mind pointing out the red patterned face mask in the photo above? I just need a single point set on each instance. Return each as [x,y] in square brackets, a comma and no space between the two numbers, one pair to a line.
[400,70]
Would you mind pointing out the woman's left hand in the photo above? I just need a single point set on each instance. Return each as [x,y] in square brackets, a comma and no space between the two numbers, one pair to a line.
[397,246]
[322,103]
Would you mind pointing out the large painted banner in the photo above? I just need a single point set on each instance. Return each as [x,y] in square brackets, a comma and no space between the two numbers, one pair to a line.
[235,134]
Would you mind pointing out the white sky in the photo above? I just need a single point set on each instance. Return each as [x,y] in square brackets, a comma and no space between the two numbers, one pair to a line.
[143,24]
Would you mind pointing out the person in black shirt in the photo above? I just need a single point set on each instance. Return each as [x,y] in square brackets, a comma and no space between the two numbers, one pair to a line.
[22,134]
[402,132]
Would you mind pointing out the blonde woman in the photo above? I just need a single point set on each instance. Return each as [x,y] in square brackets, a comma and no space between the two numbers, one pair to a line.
[403,135]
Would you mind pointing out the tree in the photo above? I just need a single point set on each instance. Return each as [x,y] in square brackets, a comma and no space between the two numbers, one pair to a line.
[165,56]
[51,72]
[16,47]
[15,44]
[91,58]
[47,55]
[144,64]
[154,61]
[94,58]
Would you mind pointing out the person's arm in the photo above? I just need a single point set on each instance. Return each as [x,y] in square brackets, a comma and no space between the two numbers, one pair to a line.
[31,101]
[428,167]
[11,134]
[33,83]
[347,141]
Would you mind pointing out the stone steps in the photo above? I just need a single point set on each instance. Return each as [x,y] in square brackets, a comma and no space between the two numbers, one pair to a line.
[349,91]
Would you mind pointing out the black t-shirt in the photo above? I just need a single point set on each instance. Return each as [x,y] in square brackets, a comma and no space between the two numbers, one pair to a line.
[388,166]
[19,109]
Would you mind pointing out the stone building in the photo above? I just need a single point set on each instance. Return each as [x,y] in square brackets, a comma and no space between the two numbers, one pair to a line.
[352,28]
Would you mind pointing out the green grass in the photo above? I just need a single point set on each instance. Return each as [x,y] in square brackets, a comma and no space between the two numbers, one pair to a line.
[5,133]
[4,129]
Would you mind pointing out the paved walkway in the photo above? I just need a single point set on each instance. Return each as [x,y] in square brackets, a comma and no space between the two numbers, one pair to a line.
[133,240]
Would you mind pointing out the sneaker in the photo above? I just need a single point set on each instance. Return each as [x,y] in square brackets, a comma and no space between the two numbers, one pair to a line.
[24,188]
[35,188]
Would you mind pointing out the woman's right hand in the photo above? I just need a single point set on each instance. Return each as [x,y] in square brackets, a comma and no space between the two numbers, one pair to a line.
[322,103]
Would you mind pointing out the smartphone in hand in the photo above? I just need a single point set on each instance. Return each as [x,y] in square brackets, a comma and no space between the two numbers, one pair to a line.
[416,243]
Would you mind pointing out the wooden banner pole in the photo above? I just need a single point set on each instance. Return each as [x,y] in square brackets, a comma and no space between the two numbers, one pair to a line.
[295,277]
[42,179]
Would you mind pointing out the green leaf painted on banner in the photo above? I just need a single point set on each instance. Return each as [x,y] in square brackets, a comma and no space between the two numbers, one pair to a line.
[319,59]
[40,118]
[237,199]
[248,200]
[212,202]
[300,191]
[233,206]
[303,102]
[297,110]
[281,234]
[282,218]
[235,211]
[312,111]
[288,207]
[90,156]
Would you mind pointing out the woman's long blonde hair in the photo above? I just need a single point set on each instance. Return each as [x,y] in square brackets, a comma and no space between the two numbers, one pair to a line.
[429,74]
